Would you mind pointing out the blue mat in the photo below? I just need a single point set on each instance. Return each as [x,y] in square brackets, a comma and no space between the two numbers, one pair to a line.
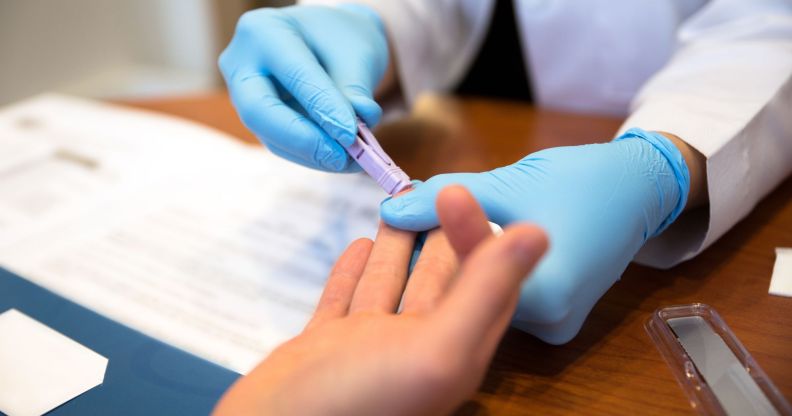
[144,376]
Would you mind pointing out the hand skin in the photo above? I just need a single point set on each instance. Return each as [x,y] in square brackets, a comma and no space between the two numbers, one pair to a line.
[358,356]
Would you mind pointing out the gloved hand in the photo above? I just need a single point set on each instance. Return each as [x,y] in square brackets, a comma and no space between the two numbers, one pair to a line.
[298,75]
[598,204]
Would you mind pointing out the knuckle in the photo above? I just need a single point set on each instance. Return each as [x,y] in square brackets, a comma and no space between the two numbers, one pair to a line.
[334,298]
[258,24]
[249,114]
[247,22]
[435,265]
[252,117]
[252,21]
[381,268]
[438,371]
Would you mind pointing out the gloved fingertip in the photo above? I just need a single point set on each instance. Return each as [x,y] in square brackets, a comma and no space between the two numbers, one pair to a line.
[332,158]
[389,211]
[348,135]
[342,128]
[367,109]
[372,119]
[397,213]
[390,207]
[413,211]
[405,200]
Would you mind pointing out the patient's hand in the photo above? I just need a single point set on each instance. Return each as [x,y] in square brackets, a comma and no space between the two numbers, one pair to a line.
[358,356]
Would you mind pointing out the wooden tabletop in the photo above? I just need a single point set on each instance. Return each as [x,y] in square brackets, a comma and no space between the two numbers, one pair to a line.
[611,367]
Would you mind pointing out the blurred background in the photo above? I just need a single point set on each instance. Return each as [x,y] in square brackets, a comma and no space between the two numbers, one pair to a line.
[115,48]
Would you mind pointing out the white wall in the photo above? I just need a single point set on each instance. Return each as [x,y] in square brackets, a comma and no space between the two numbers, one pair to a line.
[107,48]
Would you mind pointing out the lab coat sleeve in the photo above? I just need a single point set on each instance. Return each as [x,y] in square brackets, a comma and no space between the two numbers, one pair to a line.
[727,91]
[435,41]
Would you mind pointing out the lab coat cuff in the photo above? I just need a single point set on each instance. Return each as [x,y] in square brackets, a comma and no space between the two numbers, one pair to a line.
[684,238]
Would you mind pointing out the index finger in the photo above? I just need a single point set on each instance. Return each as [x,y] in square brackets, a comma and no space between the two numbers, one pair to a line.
[462,219]
[340,286]
[381,286]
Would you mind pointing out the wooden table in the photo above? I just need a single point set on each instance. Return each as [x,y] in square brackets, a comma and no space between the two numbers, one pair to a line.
[611,367]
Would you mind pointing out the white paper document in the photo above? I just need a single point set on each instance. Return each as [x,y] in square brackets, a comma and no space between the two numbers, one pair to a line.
[211,245]
[781,281]
[40,368]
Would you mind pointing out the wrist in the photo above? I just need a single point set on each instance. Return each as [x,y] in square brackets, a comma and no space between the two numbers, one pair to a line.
[697,167]
[667,170]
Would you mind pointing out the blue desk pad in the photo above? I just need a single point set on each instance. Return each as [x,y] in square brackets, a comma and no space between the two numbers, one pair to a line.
[144,376]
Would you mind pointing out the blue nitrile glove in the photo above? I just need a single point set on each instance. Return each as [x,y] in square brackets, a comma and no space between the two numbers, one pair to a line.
[598,203]
[298,75]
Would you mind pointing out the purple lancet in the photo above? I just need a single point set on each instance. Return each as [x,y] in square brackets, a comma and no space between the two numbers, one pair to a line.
[368,153]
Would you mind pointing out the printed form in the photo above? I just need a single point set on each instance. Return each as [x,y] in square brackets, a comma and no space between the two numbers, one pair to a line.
[174,229]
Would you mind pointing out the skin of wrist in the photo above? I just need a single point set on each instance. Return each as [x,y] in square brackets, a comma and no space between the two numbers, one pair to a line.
[697,166]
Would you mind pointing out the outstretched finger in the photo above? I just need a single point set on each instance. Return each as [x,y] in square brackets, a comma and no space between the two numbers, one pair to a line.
[462,219]
[436,266]
[382,284]
[464,225]
[487,285]
[342,282]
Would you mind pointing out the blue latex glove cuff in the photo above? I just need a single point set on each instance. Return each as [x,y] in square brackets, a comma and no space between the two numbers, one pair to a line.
[675,160]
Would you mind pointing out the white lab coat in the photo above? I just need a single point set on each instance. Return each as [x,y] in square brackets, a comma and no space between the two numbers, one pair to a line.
[715,73]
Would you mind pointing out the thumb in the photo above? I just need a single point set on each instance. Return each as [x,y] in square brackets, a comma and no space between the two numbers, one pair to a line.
[416,210]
